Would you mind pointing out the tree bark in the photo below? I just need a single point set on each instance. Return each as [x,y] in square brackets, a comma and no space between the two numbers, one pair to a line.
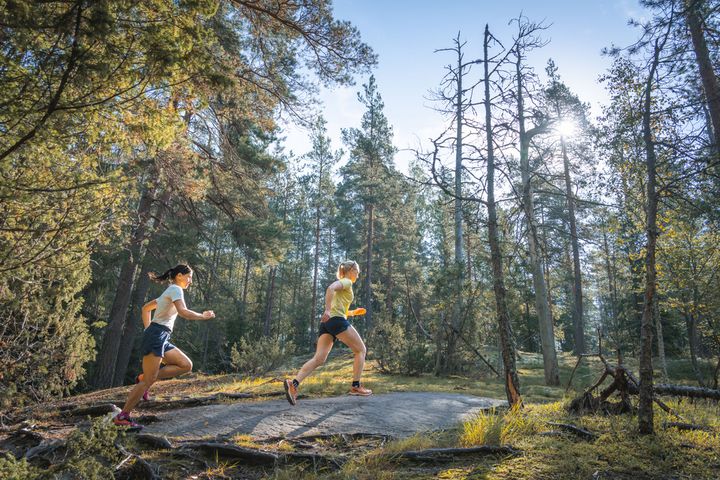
[132,321]
[133,324]
[458,217]
[705,67]
[507,346]
[577,314]
[270,296]
[691,323]
[316,262]
[645,410]
[660,340]
[104,374]
[368,268]
[545,321]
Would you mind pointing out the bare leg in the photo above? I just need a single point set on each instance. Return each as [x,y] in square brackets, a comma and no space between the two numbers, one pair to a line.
[151,366]
[176,363]
[351,338]
[324,345]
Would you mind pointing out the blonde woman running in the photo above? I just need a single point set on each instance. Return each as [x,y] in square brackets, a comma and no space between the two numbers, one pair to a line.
[334,325]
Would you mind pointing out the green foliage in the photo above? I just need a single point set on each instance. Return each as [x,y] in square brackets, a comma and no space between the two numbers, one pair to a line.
[92,454]
[259,356]
[12,469]
[395,353]
[89,455]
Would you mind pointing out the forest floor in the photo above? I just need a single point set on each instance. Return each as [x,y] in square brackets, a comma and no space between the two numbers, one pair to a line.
[229,426]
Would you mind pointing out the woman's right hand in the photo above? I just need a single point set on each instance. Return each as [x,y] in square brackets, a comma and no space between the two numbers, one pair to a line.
[325,316]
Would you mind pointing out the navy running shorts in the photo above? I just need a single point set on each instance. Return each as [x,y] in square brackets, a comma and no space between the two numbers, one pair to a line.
[334,326]
[156,340]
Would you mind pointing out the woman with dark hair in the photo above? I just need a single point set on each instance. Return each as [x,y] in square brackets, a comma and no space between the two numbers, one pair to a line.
[156,347]
[335,325]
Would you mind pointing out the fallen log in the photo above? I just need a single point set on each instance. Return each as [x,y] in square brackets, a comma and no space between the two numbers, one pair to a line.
[688,426]
[687,391]
[256,457]
[324,436]
[447,454]
[575,430]
[251,456]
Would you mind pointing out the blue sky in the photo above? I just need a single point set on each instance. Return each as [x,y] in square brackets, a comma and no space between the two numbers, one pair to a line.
[405,35]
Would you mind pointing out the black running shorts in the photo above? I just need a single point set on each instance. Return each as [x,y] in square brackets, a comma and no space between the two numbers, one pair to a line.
[334,326]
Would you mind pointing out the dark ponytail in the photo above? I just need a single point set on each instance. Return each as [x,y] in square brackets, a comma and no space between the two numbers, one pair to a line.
[180,269]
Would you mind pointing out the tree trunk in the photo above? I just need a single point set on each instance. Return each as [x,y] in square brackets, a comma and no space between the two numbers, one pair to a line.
[577,313]
[133,323]
[104,374]
[246,281]
[507,346]
[660,340]
[389,300]
[705,67]
[545,321]
[691,323]
[316,262]
[611,280]
[368,268]
[270,296]
[458,217]
[645,410]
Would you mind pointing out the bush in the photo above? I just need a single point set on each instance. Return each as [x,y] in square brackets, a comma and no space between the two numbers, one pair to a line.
[92,453]
[11,469]
[259,356]
[396,354]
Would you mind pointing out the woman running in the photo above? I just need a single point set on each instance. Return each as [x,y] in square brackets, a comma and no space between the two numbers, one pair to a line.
[334,325]
[156,347]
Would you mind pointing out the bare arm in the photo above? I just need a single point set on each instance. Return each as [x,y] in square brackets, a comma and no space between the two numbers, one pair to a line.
[336,286]
[146,310]
[188,314]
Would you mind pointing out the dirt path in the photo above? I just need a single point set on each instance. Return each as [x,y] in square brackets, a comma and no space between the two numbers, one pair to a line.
[394,414]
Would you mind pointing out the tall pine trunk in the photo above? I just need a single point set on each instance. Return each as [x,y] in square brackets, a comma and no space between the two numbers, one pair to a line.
[542,306]
[507,344]
[645,410]
[458,217]
[577,313]
[133,320]
[660,341]
[269,305]
[705,67]
[368,268]
[316,265]
[104,374]
[133,325]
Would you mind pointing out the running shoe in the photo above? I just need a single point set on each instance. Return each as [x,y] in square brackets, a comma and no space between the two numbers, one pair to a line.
[291,392]
[124,420]
[360,391]
[146,394]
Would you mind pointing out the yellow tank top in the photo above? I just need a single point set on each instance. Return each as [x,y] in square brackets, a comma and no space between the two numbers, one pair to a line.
[342,299]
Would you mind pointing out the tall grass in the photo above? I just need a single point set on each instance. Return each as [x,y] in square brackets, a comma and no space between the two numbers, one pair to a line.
[492,428]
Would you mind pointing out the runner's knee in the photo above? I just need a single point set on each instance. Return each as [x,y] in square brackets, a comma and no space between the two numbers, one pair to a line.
[361,350]
[186,366]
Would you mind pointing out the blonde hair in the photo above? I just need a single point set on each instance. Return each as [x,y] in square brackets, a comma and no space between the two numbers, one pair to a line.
[345,267]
